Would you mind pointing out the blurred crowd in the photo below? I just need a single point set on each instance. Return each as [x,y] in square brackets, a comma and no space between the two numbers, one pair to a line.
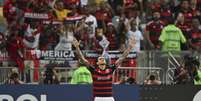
[41,23]
[167,25]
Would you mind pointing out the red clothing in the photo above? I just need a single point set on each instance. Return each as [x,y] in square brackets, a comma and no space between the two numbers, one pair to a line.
[103,15]
[155,31]
[199,2]
[13,46]
[9,11]
[111,37]
[128,3]
[71,2]
[188,17]
[166,15]
[195,36]
[184,27]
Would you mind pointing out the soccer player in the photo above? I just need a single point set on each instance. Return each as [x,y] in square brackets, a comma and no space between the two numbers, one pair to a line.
[102,73]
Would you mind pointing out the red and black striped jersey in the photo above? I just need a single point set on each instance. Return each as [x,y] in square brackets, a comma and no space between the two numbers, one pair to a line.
[195,36]
[102,81]
[154,30]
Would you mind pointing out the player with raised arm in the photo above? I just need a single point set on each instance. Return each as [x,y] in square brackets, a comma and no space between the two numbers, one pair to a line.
[102,73]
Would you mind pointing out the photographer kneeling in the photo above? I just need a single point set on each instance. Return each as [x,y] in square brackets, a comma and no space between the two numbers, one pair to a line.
[192,64]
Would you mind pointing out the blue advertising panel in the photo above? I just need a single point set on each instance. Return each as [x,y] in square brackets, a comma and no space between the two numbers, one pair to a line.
[62,93]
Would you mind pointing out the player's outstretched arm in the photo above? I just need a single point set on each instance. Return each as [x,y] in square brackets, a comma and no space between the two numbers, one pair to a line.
[76,44]
[131,44]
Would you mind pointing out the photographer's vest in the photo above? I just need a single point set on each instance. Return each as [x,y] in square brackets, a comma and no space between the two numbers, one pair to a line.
[199,81]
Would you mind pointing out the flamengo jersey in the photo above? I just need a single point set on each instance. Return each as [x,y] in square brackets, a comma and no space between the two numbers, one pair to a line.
[102,81]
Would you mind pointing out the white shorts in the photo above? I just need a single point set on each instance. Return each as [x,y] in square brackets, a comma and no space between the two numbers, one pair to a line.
[104,99]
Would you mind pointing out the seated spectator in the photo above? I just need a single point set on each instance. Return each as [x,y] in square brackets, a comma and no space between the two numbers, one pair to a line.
[166,12]
[71,2]
[103,14]
[152,80]
[91,25]
[15,48]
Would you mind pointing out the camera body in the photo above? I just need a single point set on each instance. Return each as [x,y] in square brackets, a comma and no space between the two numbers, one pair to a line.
[192,65]
[49,76]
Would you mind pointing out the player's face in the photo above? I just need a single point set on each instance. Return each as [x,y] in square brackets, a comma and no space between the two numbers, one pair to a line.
[102,66]
[101,63]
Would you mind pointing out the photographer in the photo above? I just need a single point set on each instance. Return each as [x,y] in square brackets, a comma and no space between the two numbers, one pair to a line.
[192,64]
[191,70]
[152,80]
[181,75]
[14,79]
[50,76]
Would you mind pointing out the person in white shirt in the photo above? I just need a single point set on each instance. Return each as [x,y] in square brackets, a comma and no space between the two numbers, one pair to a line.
[134,32]
[83,3]
[31,42]
[65,37]
[90,25]
[91,22]
[67,31]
